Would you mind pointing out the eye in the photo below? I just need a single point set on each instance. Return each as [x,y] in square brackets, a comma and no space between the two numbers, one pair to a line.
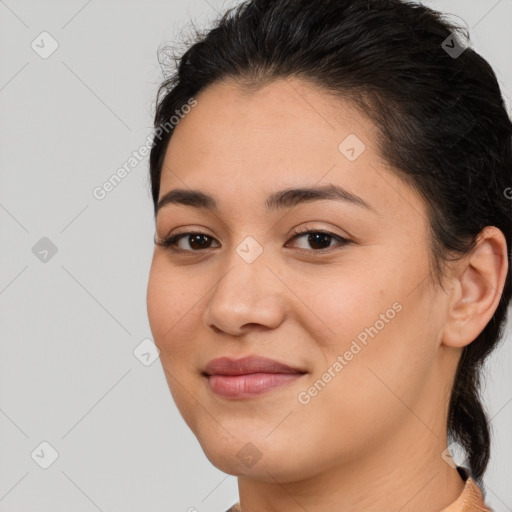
[195,240]
[318,239]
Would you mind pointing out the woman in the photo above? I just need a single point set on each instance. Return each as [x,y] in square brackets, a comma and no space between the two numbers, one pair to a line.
[332,258]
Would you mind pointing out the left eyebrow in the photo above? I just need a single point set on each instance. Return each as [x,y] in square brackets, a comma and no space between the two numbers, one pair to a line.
[282,199]
[294,196]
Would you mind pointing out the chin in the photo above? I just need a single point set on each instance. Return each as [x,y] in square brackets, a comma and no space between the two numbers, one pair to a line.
[257,458]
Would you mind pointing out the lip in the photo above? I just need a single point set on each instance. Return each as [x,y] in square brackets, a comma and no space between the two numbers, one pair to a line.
[247,365]
[249,376]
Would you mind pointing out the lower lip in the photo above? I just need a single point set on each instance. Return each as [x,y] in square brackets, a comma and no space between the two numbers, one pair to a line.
[253,384]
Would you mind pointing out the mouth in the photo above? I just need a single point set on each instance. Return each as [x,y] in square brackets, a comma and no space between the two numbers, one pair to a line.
[249,376]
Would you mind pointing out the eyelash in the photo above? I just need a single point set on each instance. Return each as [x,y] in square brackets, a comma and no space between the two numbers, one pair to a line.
[171,241]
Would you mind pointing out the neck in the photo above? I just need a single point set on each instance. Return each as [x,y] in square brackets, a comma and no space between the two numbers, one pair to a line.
[414,482]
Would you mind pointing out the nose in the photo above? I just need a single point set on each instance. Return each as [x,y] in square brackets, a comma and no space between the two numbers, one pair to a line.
[248,295]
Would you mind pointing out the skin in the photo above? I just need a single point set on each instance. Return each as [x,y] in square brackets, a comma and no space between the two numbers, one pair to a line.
[372,439]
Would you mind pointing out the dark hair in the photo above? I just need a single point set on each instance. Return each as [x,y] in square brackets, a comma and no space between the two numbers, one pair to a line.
[443,126]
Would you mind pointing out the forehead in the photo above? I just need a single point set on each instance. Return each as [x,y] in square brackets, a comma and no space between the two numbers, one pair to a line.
[288,107]
[239,143]
[283,125]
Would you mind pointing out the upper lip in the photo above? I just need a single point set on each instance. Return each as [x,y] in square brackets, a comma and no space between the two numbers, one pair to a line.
[247,365]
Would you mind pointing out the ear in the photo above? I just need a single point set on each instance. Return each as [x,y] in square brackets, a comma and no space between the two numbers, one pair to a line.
[477,285]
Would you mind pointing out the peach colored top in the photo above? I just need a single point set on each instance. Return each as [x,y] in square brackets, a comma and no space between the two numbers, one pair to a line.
[471,500]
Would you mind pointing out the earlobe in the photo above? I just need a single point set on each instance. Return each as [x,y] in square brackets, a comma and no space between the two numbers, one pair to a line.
[477,288]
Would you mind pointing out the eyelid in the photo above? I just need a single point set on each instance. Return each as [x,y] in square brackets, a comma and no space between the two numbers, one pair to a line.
[304,229]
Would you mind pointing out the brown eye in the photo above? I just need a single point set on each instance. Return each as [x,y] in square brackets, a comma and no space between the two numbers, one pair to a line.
[320,240]
[196,242]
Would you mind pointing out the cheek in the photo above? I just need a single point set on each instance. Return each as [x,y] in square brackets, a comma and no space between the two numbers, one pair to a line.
[377,344]
[170,303]
[171,319]
[377,300]
[362,400]
[350,301]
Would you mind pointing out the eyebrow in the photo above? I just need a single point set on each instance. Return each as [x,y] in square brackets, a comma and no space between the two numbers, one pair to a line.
[282,199]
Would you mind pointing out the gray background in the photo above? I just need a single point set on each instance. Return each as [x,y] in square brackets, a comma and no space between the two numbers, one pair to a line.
[69,326]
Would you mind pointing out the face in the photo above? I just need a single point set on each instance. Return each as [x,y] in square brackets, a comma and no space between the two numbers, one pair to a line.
[337,287]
